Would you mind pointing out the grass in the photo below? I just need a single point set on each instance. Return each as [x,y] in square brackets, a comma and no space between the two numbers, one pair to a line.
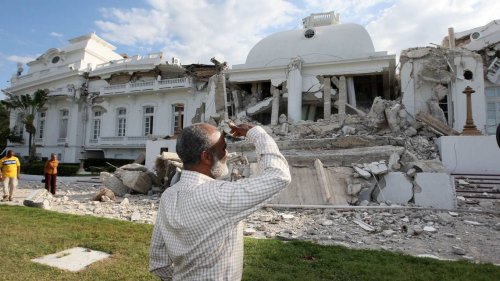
[27,233]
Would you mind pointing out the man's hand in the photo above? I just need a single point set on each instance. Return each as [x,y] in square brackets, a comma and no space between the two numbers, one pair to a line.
[239,130]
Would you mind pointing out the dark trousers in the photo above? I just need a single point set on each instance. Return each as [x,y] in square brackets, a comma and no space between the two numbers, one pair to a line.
[50,183]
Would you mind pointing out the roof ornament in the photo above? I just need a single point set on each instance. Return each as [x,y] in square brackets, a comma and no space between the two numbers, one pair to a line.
[321,19]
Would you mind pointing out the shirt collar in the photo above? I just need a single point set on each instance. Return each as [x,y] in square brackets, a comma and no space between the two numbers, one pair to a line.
[194,177]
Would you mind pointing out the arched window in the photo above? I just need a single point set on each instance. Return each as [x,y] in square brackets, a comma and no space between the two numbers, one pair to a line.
[96,124]
[63,123]
[149,113]
[41,124]
[121,122]
[178,118]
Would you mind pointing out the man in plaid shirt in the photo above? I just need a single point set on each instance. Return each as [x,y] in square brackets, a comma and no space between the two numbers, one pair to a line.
[198,234]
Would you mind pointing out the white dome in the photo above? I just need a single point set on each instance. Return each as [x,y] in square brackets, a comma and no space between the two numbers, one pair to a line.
[328,43]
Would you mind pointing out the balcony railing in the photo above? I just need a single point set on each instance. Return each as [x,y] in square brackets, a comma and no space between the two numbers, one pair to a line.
[54,71]
[154,58]
[119,141]
[146,86]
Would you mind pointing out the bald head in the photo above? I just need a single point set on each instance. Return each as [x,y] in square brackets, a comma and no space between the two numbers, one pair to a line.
[194,140]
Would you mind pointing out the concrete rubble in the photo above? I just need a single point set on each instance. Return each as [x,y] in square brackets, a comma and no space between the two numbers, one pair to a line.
[468,233]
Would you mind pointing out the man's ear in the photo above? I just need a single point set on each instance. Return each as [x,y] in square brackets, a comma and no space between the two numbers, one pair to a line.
[206,158]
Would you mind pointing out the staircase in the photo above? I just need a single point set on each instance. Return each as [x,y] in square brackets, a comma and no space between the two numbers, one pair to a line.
[478,186]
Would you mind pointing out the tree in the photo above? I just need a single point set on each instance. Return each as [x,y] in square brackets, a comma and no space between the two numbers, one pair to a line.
[6,134]
[28,105]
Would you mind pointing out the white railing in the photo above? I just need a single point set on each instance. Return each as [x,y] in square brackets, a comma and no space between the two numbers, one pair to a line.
[142,86]
[146,86]
[120,141]
[54,71]
[150,58]
[113,139]
[136,139]
[321,19]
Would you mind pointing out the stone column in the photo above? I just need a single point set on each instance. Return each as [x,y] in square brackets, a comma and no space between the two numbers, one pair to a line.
[342,97]
[294,83]
[327,98]
[469,128]
[236,102]
[220,98]
[351,92]
[276,105]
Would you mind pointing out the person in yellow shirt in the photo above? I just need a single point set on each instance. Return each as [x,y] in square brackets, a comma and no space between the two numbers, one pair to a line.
[50,171]
[10,167]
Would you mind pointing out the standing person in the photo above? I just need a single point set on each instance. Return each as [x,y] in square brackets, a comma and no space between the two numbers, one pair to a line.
[11,168]
[50,171]
[198,234]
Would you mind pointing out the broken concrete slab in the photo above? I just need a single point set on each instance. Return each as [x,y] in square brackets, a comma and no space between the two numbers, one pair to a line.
[435,190]
[134,167]
[436,124]
[74,259]
[395,187]
[377,168]
[305,188]
[364,174]
[115,184]
[137,181]
[323,180]
[427,166]
[470,154]
[39,198]
[394,162]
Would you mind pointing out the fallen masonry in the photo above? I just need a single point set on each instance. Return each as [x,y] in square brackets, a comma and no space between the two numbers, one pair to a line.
[353,184]
[473,228]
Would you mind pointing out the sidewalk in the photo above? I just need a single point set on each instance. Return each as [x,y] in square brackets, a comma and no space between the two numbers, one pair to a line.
[39,178]
[28,183]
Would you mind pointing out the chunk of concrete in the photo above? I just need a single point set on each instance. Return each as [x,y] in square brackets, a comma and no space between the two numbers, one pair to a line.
[431,166]
[394,187]
[134,167]
[39,198]
[377,168]
[364,174]
[74,259]
[435,190]
[115,184]
[394,162]
[137,181]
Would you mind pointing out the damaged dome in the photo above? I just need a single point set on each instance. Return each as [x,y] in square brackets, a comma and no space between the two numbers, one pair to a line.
[323,43]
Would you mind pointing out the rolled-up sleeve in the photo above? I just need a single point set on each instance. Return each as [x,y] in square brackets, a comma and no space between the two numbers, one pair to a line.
[241,198]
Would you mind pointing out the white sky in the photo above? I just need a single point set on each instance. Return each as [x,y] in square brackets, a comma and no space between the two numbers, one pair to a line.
[196,30]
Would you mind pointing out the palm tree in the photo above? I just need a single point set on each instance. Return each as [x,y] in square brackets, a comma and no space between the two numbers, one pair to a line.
[28,105]
[6,134]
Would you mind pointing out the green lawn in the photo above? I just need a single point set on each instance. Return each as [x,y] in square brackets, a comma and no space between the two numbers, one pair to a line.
[27,233]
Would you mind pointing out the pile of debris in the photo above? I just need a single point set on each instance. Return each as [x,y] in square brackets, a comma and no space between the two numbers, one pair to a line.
[130,178]
[382,157]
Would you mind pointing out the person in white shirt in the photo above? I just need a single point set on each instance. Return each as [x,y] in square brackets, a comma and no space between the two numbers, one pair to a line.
[198,234]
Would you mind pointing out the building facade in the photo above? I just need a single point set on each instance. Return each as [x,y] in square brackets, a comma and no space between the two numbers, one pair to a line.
[308,74]
[104,105]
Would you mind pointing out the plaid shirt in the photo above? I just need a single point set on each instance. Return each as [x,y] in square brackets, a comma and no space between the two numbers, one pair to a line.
[198,234]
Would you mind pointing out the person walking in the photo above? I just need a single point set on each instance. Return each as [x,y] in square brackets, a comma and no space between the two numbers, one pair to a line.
[11,168]
[50,171]
[198,234]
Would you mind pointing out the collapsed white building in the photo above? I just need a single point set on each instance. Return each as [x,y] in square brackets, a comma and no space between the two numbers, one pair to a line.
[328,98]
[304,73]
[105,105]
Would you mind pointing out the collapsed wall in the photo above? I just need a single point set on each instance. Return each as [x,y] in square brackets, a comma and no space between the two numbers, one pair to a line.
[381,157]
